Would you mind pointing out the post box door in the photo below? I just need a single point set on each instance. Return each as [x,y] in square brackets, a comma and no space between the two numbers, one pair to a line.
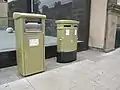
[34,52]
[68,42]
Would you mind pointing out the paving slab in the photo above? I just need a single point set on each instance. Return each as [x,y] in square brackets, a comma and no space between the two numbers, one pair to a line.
[22,84]
[88,85]
[116,78]
[4,87]
[62,78]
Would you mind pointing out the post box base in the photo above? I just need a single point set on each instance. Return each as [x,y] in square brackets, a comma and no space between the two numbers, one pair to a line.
[66,57]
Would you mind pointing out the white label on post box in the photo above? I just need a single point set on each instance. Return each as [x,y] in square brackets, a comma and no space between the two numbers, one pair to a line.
[75,31]
[33,42]
[67,32]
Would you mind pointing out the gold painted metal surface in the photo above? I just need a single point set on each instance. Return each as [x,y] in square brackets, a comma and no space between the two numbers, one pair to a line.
[67,35]
[30,43]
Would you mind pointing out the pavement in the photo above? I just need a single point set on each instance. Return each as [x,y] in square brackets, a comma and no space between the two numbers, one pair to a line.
[94,73]
[11,74]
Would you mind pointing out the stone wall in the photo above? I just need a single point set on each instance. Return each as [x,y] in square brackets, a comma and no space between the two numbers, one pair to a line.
[3,23]
[3,15]
[118,20]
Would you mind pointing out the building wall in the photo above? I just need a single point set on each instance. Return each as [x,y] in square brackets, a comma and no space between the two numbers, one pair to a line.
[66,9]
[3,9]
[97,23]
[1,1]
[3,15]
[81,12]
[103,23]
[118,20]
[110,31]
[60,12]
[16,6]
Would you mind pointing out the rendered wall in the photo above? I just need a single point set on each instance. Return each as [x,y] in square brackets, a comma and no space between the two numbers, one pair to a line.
[3,15]
[103,23]
[3,9]
[97,23]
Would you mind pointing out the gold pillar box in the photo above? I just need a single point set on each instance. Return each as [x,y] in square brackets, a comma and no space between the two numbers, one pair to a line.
[30,31]
[67,40]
